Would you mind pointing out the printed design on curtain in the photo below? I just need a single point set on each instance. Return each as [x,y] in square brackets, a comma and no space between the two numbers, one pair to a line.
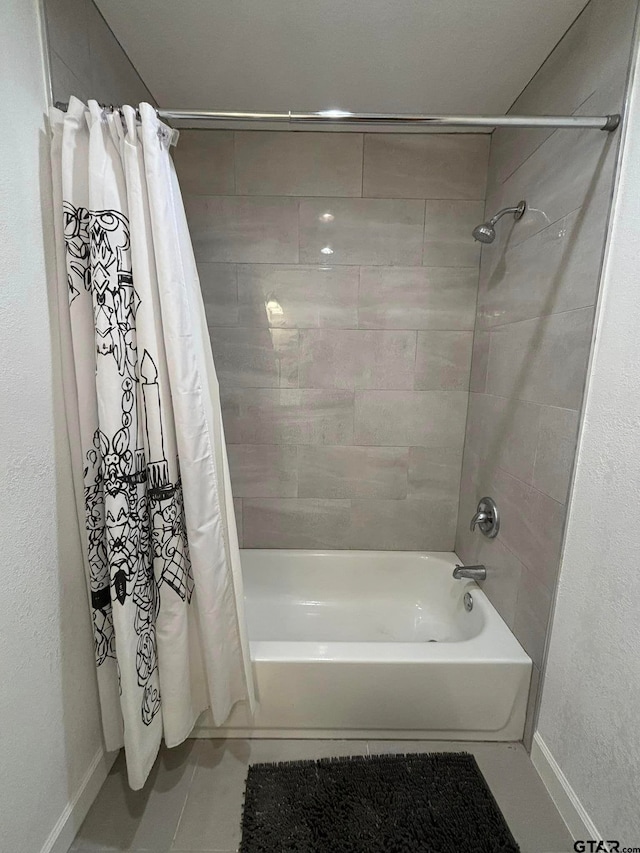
[134,514]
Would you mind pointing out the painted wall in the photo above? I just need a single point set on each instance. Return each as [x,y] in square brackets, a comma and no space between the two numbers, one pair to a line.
[52,754]
[589,712]
[537,291]
[340,280]
[48,708]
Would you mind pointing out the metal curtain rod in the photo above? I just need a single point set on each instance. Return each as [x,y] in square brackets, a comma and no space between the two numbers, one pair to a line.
[607,122]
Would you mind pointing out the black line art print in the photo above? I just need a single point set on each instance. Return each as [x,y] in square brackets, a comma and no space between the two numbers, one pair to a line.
[134,513]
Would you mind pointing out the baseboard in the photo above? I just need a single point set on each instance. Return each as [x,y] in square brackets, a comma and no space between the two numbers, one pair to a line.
[69,822]
[566,801]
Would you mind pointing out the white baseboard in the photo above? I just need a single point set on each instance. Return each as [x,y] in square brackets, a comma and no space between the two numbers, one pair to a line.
[566,801]
[62,835]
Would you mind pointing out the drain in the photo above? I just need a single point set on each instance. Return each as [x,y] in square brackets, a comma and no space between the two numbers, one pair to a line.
[432,641]
[468,601]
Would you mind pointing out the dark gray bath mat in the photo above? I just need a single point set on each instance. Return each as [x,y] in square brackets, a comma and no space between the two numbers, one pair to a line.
[427,803]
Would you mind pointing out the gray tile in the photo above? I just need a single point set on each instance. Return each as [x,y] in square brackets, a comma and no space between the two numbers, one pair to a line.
[263,470]
[296,523]
[531,527]
[410,525]
[64,83]
[434,472]
[255,358]
[361,231]
[504,432]
[417,298]
[532,615]
[514,782]
[555,452]
[114,80]
[504,572]
[555,180]
[410,418]
[237,506]
[300,164]
[213,811]
[542,360]
[298,296]
[219,286]
[553,271]
[447,233]
[443,360]
[68,36]
[443,165]
[287,416]
[352,472]
[204,161]
[479,361]
[530,722]
[243,230]
[339,358]
[304,750]
[147,818]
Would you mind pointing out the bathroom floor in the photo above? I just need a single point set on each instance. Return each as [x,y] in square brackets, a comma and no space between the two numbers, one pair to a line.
[193,798]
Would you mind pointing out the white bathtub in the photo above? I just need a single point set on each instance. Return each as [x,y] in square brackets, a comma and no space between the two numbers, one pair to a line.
[376,644]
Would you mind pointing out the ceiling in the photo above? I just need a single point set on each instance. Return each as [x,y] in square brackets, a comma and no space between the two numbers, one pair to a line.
[450,56]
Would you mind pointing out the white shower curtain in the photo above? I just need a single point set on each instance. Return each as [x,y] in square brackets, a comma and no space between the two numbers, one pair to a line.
[143,411]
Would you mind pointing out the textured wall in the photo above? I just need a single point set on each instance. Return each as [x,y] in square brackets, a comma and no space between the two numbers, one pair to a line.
[340,279]
[86,60]
[48,706]
[589,711]
[537,290]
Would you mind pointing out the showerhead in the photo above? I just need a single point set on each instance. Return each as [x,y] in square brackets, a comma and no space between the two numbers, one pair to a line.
[486,233]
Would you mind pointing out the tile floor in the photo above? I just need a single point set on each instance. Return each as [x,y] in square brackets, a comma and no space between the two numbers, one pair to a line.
[193,798]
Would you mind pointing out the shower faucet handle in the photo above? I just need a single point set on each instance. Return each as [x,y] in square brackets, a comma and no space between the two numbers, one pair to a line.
[486,518]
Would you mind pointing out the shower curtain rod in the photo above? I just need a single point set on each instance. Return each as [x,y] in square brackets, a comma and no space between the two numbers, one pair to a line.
[606,122]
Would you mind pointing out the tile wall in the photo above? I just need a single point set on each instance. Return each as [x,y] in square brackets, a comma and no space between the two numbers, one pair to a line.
[85,58]
[340,280]
[537,294]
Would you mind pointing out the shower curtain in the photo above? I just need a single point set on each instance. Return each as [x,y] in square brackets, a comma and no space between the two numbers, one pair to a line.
[147,443]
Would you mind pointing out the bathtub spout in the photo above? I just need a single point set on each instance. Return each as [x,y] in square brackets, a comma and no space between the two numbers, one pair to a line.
[474,573]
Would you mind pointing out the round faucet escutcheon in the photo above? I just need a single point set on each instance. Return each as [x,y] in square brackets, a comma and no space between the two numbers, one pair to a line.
[487,518]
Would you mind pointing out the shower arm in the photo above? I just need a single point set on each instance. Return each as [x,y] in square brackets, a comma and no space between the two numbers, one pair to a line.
[517,211]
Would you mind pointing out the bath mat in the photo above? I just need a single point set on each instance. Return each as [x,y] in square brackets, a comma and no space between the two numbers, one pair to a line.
[426,803]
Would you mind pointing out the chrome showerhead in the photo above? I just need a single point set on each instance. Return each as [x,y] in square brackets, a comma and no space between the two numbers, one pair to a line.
[486,233]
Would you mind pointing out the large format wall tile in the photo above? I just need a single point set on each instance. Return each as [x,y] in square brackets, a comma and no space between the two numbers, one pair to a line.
[263,470]
[403,525]
[443,360]
[219,286]
[406,418]
[287,416]
[415,298]
[338,358]
[244,230]
[542,360]
[352,472]
[255,358]
[406,165]
[447,233]
[298,296]
[383,316]
[555,451]
[361,231]
[304,164]
[205,162]
[296,523]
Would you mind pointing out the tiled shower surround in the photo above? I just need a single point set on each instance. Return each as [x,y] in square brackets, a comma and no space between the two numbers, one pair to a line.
[536,304]
[340,282]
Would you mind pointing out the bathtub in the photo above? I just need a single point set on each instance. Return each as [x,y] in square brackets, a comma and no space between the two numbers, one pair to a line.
[376,644]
